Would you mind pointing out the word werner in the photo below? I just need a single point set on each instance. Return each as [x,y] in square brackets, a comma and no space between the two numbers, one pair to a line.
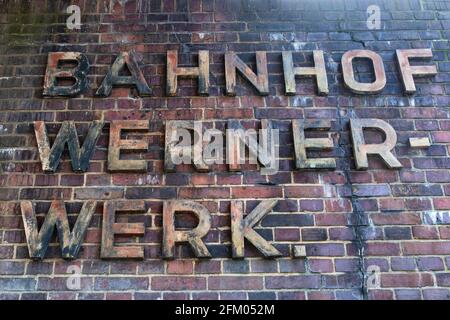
[56,72]
[207,147]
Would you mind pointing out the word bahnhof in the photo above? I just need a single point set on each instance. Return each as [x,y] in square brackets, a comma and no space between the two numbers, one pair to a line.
[56,71]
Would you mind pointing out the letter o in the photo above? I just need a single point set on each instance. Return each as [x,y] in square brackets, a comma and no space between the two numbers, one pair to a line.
[349,76]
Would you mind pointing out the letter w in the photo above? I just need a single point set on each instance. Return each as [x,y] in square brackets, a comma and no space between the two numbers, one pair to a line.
[70,242]
[67,134]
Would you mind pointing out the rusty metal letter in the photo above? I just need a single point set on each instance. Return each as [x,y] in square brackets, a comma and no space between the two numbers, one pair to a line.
[54,72]
[67,134]
[407,71]
[319,71]
[112,78]
[349,76]
[361,150]
[238,139]
[172,145]
[202,72]
[259,81]
[70,242]
[243,228]
[301,144]
[110,228]
[116,144]
[193,236]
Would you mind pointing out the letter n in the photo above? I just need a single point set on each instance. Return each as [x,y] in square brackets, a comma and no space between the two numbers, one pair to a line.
[260,80]
[67,134]
[70,242]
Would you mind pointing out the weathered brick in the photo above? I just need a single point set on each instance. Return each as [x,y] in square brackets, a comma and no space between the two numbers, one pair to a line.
[430,263]
[60,283]
[17,284]
[293,282]
[371,190]
[235,283]
[12,267]
[178,283]
[436,294]
[256,192]
[408,294]
[180,267]
[408,280]
[443,279]
[426,248]
[121,283]
[403,264]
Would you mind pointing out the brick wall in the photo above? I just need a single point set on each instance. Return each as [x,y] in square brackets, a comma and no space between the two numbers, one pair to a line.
[352,222]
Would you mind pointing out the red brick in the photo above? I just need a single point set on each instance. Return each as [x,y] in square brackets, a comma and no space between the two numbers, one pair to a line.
[425,232]
[235,283]
[407,280]
[293,282]
[321,265]
[383,249]
[119,296]
[321,295]
[202,179]
[256,192]
[426,248]
[441,204]
[375,294]
[304,192]
[338,205]
[204,192]
[396,218]
[207,266]
[178,283]
[392,204]
[443,279]
[72,180]
[287,234]
[444,231]
[180,267]
[441,137]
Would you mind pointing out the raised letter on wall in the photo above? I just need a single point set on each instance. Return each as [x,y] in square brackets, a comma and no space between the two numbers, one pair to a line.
[113,79]
[70,242]
[116,144]
[349,76]
[67,134]
[408,71]
[201,72]
[260,80]
[55,72]
[193,236]
[301,144]
[112,228]
[242,229]
[319,71]
[362,150]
